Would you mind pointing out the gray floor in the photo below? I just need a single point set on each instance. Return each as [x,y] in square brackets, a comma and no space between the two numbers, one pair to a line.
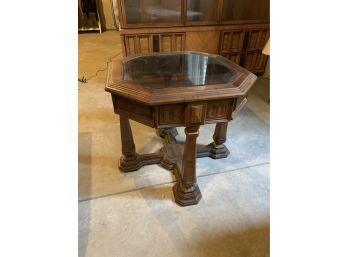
[133,214]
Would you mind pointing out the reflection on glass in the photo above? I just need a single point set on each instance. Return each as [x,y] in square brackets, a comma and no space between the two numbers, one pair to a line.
[177,70]
[245,10]
[152,11]
[201,10]
[197,69]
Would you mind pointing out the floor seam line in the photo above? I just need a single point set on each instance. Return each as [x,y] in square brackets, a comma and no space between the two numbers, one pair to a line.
[161,184]
[227,171]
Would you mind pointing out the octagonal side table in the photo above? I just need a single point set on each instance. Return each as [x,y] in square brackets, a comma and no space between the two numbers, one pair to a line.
[169,90]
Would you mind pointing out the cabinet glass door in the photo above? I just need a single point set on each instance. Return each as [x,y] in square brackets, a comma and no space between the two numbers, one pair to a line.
[202,11]
[234,10]
[152,12]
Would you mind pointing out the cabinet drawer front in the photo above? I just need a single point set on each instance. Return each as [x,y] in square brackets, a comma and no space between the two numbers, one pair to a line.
[176,115]
[135,111]
[219,110]
[171,115]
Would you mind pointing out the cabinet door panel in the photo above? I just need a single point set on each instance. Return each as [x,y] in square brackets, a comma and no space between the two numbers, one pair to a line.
[179,42]
[172,42]
[233,57]
[130,45]
[148,43]
[166,43]
[255,61]
[231,41]
[256,39]
[252,58]
[244,47]
[135,44]
[145,44]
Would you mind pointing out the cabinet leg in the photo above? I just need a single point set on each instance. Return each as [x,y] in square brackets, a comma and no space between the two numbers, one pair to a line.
[186,190]
[130,161]
[217,148]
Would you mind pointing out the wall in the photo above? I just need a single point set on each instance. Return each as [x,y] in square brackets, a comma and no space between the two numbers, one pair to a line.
[106,14]
[267,73]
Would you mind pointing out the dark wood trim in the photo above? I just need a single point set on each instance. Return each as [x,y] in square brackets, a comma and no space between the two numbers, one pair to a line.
[236,22]
[183,12]
[180,95]
[153,25]
[202,23]
[198,28]
[219,11]
[193,24]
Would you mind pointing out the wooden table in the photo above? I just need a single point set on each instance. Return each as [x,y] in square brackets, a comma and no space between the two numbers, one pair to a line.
[169,90]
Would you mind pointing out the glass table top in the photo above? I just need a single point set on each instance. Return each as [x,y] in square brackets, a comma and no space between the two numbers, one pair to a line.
[177,70]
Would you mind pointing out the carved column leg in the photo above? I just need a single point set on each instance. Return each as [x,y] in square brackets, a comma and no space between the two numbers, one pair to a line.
[218,149]
[186,190]
[130,160]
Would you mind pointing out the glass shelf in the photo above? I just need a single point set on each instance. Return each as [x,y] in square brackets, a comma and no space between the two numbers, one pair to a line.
[177,70]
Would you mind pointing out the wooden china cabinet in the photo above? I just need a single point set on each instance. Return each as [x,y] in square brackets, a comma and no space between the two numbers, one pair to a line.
[235,29]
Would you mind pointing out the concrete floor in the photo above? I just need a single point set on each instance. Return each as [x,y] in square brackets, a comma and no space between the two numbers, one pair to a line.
[134,214]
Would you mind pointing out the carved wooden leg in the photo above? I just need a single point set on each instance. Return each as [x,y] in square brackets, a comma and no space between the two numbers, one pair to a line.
[130,160]
[186,190]
[218,149]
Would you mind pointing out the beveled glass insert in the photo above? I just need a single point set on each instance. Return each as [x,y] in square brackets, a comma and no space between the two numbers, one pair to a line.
[234,10]
[177,70]
[201,10]
[152,11]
